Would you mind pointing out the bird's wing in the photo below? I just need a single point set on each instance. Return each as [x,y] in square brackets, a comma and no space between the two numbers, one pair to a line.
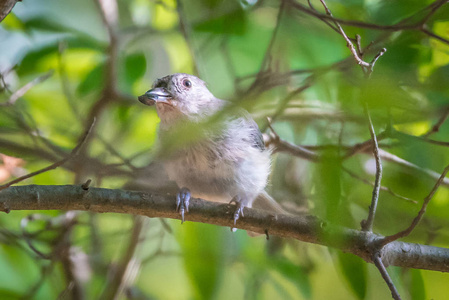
[255,134]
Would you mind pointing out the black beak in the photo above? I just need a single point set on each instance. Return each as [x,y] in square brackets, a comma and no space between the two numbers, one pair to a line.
[155,95]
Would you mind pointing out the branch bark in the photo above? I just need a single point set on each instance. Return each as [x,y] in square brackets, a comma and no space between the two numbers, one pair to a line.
[304,228]
[6,7]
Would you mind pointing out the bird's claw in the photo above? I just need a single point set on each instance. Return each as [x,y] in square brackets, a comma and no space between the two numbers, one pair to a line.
[238,210]
[182,202]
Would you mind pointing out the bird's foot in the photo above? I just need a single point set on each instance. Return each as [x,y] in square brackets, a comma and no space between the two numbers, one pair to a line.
[238,210]
[182,202]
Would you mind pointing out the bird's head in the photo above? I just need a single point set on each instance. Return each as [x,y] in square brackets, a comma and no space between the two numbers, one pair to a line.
[181,96]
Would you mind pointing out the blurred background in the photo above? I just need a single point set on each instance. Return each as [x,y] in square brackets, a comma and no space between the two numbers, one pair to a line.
[64,63]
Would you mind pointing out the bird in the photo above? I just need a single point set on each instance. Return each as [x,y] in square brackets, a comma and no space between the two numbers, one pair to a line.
[229,163]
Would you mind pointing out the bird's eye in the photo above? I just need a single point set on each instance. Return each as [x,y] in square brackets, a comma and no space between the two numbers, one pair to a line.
[187,83]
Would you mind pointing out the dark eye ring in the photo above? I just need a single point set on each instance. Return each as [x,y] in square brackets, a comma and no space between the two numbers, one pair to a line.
[187,83]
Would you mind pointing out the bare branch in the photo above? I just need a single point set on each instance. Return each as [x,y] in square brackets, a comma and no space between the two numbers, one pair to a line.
[117,282]
[432,8]
[362,147]
[349,44]
[185,30]
[382,188]
[109,14]
[408,230]
[72,165]
[22,91]
[401,25]
[284,146]
[85,186]
[387,156]
[284,102]
[54,165]
[304,228]
[435,36]
[6,7]
[435,128]
[306,152]
[383,271]
[356,53]
[368,224]
[265,65]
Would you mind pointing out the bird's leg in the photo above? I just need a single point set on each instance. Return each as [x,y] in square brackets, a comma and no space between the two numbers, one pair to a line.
[239,208]
[182,202]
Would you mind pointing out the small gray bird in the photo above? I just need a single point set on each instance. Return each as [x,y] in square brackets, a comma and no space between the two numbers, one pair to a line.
[229,164]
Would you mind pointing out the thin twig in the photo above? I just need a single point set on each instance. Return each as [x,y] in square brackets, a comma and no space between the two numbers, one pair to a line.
[423,139]
[274,35]
[400,26]
[366,67]
[73,153]
[433,8]
[435,128]
[408,230]
[307,152]
[285,146]
[368,224]
[65,84]
[284,102]
[85,186]
[387,156]
[27,236]
[383,188]
[373,62]
[383,271]
[110,15]
[44,274]
[118,280]
[111,149]
[349,44]
[435,36]
[185,30]
[22,91]
[325,21]
[361,147]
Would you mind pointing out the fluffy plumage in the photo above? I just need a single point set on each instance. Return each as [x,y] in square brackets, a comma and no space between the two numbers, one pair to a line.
[230,162]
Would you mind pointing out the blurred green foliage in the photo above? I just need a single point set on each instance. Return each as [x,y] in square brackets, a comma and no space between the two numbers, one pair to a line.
[229,44]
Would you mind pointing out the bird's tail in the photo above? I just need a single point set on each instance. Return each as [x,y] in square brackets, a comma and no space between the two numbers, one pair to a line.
[266,202]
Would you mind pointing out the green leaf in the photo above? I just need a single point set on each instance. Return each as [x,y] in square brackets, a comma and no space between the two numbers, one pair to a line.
[354,270]
[328,180]
[30,60]
[6,294]
[417,289]
[12,22]
[93,81]
[296,274]
[133,68]
[232,23]
[44,23]
[203,248]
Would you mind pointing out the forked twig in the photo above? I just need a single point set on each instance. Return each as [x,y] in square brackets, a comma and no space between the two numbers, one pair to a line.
[383,271]
[22,91]
[409,229]
[367,225]
[54,165]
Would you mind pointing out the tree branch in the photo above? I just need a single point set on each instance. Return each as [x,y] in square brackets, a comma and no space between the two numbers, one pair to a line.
[22,91]
[6,7]
[399,26]
[383,271]
[304,228]
[421,212]
[54,165]
[368,224]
